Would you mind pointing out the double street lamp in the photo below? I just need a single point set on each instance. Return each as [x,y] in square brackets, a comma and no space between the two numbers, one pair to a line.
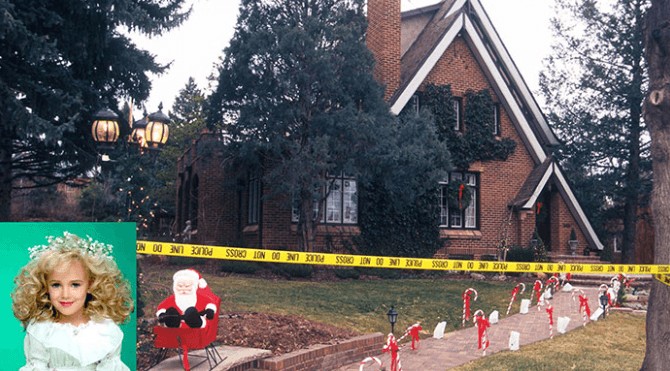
[150,132]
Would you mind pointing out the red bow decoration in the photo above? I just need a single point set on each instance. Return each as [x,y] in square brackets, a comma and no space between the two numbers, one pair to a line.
[482,325]
[414,334]
[539,208]
[392,347]
[584,303]
[461,188]
[550,312]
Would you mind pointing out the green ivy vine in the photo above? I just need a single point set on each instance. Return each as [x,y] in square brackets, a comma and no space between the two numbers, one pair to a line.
[477,142]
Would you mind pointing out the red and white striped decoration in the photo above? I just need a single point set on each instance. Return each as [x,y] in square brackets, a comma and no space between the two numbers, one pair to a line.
[515,291]
[550,312]
[466,303]
[482,324]
[413,332]
[584,307]
[537,288]
[553,280]
[368,359]
[392,347]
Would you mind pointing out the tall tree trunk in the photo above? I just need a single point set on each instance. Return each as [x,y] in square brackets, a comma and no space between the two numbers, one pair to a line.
[633,182]
[5,177]
[657,116]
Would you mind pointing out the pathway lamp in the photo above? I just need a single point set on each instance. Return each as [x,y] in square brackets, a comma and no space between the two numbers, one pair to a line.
[392,316]
[603,302]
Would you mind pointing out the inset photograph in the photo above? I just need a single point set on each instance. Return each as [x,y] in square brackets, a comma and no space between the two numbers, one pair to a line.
[69,297]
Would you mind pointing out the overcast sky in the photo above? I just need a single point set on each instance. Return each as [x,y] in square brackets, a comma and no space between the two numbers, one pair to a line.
[194,47]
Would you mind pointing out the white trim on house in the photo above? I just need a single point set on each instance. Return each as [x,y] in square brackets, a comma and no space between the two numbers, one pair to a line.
[578,208]
[536,192]
[498,79]
[513,71]
[428,65]
[458,4]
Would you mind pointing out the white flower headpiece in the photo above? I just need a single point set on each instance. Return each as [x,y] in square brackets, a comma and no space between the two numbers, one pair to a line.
[71,241]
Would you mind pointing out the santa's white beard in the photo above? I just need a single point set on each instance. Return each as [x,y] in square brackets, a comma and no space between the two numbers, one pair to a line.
[185,301]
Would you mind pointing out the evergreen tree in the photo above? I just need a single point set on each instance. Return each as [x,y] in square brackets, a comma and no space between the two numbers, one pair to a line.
[657,115]
[297,99]
[60,61]
[593,84]
[399,213]
[188,121]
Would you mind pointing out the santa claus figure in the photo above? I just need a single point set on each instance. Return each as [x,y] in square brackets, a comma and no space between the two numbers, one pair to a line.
[192,303]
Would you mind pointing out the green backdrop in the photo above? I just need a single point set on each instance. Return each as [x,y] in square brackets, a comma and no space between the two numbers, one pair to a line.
[16,238]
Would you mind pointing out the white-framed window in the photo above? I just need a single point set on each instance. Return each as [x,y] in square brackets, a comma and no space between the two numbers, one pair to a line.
[254,200]
[496,119]
[466,216]
[415,104]
[457,103]
[340,204]
[616,243]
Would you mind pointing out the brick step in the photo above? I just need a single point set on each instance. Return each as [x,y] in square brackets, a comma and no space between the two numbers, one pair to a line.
[576,259]
[640,280]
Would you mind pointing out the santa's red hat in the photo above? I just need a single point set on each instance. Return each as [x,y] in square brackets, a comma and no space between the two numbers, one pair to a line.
[191,275]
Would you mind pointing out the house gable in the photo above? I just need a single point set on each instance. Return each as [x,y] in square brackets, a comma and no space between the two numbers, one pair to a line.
[457,21]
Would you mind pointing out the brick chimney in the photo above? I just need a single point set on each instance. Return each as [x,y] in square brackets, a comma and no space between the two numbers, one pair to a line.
[383,40]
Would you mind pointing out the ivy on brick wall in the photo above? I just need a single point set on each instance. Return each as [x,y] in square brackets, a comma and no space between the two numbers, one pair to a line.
[476,141]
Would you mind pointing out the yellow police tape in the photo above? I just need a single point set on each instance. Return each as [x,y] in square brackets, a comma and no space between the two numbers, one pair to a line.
[661,272]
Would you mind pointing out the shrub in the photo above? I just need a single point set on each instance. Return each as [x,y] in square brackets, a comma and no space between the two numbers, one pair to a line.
[520,254]
[345,274]
[241,267]
[185,261]
[293,270]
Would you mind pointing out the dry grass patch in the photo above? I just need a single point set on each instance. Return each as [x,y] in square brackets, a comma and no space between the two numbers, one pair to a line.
[616,343]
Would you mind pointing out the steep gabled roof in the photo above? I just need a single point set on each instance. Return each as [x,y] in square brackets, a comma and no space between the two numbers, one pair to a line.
[467,18]
[535,183]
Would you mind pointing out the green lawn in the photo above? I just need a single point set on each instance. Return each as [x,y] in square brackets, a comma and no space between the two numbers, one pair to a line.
[617,343]
[355,304]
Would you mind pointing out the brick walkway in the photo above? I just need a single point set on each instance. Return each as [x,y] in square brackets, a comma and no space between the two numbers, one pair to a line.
[460,347]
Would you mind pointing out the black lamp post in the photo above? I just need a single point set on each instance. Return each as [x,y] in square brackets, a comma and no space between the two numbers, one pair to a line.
[393,317]
[603,302]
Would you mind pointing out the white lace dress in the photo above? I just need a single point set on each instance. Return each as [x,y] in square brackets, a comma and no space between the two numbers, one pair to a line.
[95,345]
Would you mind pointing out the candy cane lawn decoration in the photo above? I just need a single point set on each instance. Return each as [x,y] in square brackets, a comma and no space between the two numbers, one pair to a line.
[368,359]
[413,332]
[466,303]
[392,347]
[584,306]
[550,312]
[553,280]
[482,324]
[537,288]
[515,291]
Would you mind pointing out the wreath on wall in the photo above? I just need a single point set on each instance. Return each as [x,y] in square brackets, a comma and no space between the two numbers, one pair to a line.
[459,195]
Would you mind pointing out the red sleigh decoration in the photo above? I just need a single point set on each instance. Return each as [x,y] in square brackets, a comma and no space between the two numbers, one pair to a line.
[186,339]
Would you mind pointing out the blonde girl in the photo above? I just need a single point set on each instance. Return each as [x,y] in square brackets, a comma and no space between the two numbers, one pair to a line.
[70,299]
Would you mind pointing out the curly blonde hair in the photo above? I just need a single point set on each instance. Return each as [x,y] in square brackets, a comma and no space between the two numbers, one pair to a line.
[110,295]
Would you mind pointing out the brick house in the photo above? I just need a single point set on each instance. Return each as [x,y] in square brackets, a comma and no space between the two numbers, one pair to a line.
[452,42]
